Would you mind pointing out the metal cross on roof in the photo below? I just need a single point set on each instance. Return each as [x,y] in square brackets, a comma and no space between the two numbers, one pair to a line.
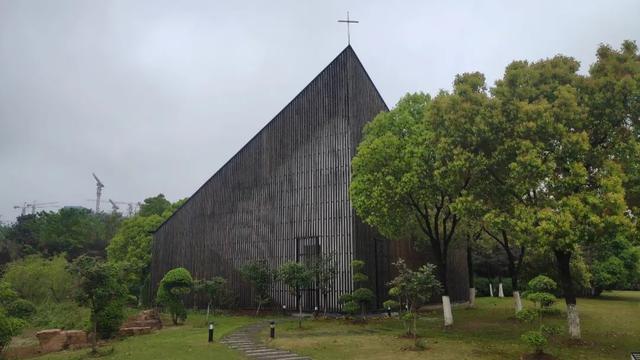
[349,22]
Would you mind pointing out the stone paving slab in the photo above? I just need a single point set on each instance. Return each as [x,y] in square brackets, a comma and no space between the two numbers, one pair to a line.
[246,341]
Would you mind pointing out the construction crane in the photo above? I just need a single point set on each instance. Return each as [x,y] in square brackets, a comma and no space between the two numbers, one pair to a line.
[99,186]
[34,205]
[131,206]
[114,206]
[23,207]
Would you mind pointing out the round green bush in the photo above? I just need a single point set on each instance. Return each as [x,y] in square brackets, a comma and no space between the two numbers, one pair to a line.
[542,283]
[21,309]
[391,304]
[527,315]
[535,339]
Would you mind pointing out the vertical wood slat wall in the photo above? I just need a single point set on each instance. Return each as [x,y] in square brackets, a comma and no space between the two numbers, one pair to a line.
[289,182]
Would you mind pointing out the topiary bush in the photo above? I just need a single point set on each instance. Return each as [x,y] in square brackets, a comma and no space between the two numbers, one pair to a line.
[174,285]
[540,291]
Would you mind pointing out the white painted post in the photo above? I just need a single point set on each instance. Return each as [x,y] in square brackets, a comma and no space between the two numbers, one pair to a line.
[446,309]
[517,300]
[472,297]
[500,291]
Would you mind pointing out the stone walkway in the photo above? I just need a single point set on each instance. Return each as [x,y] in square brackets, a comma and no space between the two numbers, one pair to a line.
[246,341]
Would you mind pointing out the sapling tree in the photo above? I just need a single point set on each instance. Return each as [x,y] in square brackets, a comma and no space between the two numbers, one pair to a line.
[100,289]
[324,273]
[260,276]
[175,284]
[415,287]
[216,292]
[297,277]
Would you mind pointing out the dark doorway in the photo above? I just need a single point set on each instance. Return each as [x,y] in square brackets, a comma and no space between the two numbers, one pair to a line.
[307,252]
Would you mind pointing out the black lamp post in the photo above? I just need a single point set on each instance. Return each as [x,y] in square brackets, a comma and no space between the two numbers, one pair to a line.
[272,327]
[210,332]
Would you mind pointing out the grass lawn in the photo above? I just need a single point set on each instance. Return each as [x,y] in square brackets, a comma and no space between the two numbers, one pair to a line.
[610,329]
[188,341]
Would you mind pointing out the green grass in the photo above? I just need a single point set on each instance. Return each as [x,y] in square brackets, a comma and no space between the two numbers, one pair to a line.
[610,328]
[188,341]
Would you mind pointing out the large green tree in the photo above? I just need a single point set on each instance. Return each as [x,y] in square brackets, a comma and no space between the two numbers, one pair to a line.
[418,166]
[568,183]
[130,248]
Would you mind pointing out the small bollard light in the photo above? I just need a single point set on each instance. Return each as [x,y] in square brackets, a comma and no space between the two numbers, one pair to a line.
[210,332]
[284,309]
[272,327]
[315,312]
[389,311]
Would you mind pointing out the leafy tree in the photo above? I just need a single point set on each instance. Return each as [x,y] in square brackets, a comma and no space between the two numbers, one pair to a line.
[40,280]
[174,285]
[260,276]
[417,166]
[156,205]
[361,297]
[73,231]
[559,164]
[99,289]
[215,290]
[130,248]
[324,273]
[9,248]
[297,277]
[415,288]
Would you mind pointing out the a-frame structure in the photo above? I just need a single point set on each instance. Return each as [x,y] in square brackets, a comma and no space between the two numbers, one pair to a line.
[284,195]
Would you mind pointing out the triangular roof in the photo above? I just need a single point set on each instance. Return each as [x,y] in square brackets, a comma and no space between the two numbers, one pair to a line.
[341,62]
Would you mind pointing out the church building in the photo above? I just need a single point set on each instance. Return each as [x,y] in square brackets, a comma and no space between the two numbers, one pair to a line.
[285,197]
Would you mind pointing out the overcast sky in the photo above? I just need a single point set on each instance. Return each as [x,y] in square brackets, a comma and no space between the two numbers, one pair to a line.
[155,96]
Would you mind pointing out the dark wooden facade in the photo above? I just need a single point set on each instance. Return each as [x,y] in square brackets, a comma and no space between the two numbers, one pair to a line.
[284,196]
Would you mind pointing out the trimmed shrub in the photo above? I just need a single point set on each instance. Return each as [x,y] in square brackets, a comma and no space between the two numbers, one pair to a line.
[535,339]
[527,315]
[174,285]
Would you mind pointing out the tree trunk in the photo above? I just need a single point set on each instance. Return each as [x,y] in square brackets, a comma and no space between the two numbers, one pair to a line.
[325,301]
[208,307]
[472,288]
[258,309]
[415,327]
[573,318]
[94,338]
[490,290]
[500,290]
[299,312]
